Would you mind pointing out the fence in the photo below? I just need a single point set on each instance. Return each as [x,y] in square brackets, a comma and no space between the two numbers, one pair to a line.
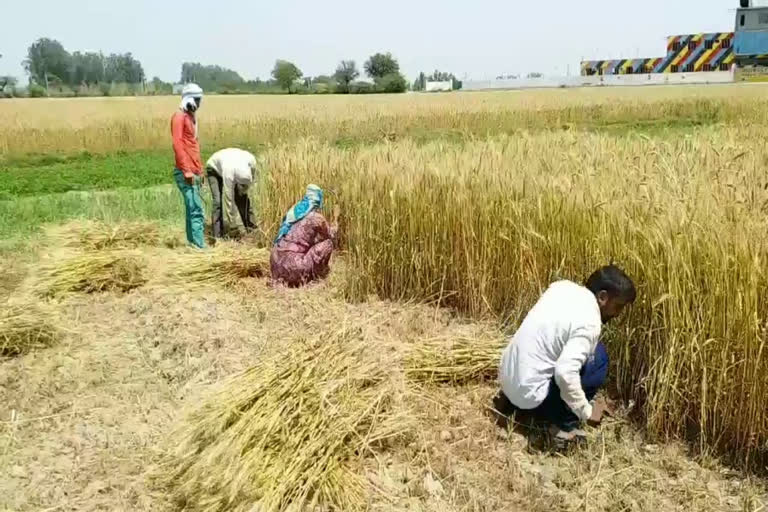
[709,77]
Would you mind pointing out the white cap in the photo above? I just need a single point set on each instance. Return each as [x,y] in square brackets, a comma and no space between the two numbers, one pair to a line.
[191,91]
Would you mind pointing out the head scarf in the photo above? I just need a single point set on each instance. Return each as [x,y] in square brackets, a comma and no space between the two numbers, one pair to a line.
[313,200]
[187,102]
[188,95]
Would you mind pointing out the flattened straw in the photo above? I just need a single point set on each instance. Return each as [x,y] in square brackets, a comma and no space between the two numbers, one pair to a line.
[24,328]
[224,265]
[99,236]
[289,433]
[91,273]
[459,360]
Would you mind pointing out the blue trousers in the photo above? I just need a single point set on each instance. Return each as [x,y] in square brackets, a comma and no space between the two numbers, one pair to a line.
[553,409]
[194,216]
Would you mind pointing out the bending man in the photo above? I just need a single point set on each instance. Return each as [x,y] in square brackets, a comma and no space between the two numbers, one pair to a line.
[303,247]
[555,364]
[231,172]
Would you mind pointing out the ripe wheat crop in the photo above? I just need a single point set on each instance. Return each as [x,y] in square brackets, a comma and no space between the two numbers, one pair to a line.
[477,201]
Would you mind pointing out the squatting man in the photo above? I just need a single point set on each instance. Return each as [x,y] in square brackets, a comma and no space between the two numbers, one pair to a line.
[555,363]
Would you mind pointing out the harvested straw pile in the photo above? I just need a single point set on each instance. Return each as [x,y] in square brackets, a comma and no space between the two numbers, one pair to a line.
[225,265]
[291,432]
[91,272]
[455,360]
[24,328]
[99,236]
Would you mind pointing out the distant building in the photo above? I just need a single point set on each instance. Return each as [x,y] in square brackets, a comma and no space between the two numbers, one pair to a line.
[438,86]
[685,54]
[751,40]
[746,47]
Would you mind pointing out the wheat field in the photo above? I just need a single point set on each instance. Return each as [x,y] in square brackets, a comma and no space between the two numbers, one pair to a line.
[104,125]
[476,201]
[484,227]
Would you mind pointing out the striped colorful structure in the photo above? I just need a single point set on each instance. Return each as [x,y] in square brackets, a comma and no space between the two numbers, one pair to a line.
[685,54]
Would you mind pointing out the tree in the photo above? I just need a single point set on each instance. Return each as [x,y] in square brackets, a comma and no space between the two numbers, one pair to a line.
[441,76]
[393,82]
[285,74]
[7,85]
[86,68]
[346,73]
[361,88]
[421,83]
[47,59]
[123,68]
[160,87]
[385,71]
[380,65]
[6,81]
[211,78]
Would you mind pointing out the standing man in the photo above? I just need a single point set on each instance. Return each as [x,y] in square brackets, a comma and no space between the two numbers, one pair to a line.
[231,172]
[188,172]
[555,364]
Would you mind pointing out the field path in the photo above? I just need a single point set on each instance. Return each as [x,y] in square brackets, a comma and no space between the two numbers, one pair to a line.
[85,422]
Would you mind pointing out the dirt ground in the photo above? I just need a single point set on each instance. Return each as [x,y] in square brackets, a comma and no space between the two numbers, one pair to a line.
[85,423]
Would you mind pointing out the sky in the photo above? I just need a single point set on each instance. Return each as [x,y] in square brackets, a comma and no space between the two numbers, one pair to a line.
[476,39]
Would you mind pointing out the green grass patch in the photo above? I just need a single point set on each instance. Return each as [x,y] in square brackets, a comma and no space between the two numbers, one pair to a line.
[41,175]
[650,128]
[41,160]
[26,216]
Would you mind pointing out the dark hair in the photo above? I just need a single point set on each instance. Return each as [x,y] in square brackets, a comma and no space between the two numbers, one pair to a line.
[614,281]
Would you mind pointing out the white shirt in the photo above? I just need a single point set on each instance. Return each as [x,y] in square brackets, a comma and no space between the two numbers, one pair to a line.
[555,340]
[234,166]
[237,169]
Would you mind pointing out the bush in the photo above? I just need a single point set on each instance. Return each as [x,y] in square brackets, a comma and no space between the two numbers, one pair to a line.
[301,89]
[322,88]
[87,91]
[37,91]
[361,88]
[61,91]
[392,83]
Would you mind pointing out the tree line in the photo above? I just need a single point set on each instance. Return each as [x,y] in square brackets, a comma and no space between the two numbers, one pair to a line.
[381,68]
[50,65]
[54,71]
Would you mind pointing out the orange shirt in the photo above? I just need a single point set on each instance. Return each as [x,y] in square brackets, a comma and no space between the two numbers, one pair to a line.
[185,144]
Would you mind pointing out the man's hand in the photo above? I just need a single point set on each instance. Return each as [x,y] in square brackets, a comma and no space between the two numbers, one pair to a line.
[597,414]
[190,179]
[608,405]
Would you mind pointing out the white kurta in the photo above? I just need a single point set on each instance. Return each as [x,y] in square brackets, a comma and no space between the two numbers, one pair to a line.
[237,168]
[555,340]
